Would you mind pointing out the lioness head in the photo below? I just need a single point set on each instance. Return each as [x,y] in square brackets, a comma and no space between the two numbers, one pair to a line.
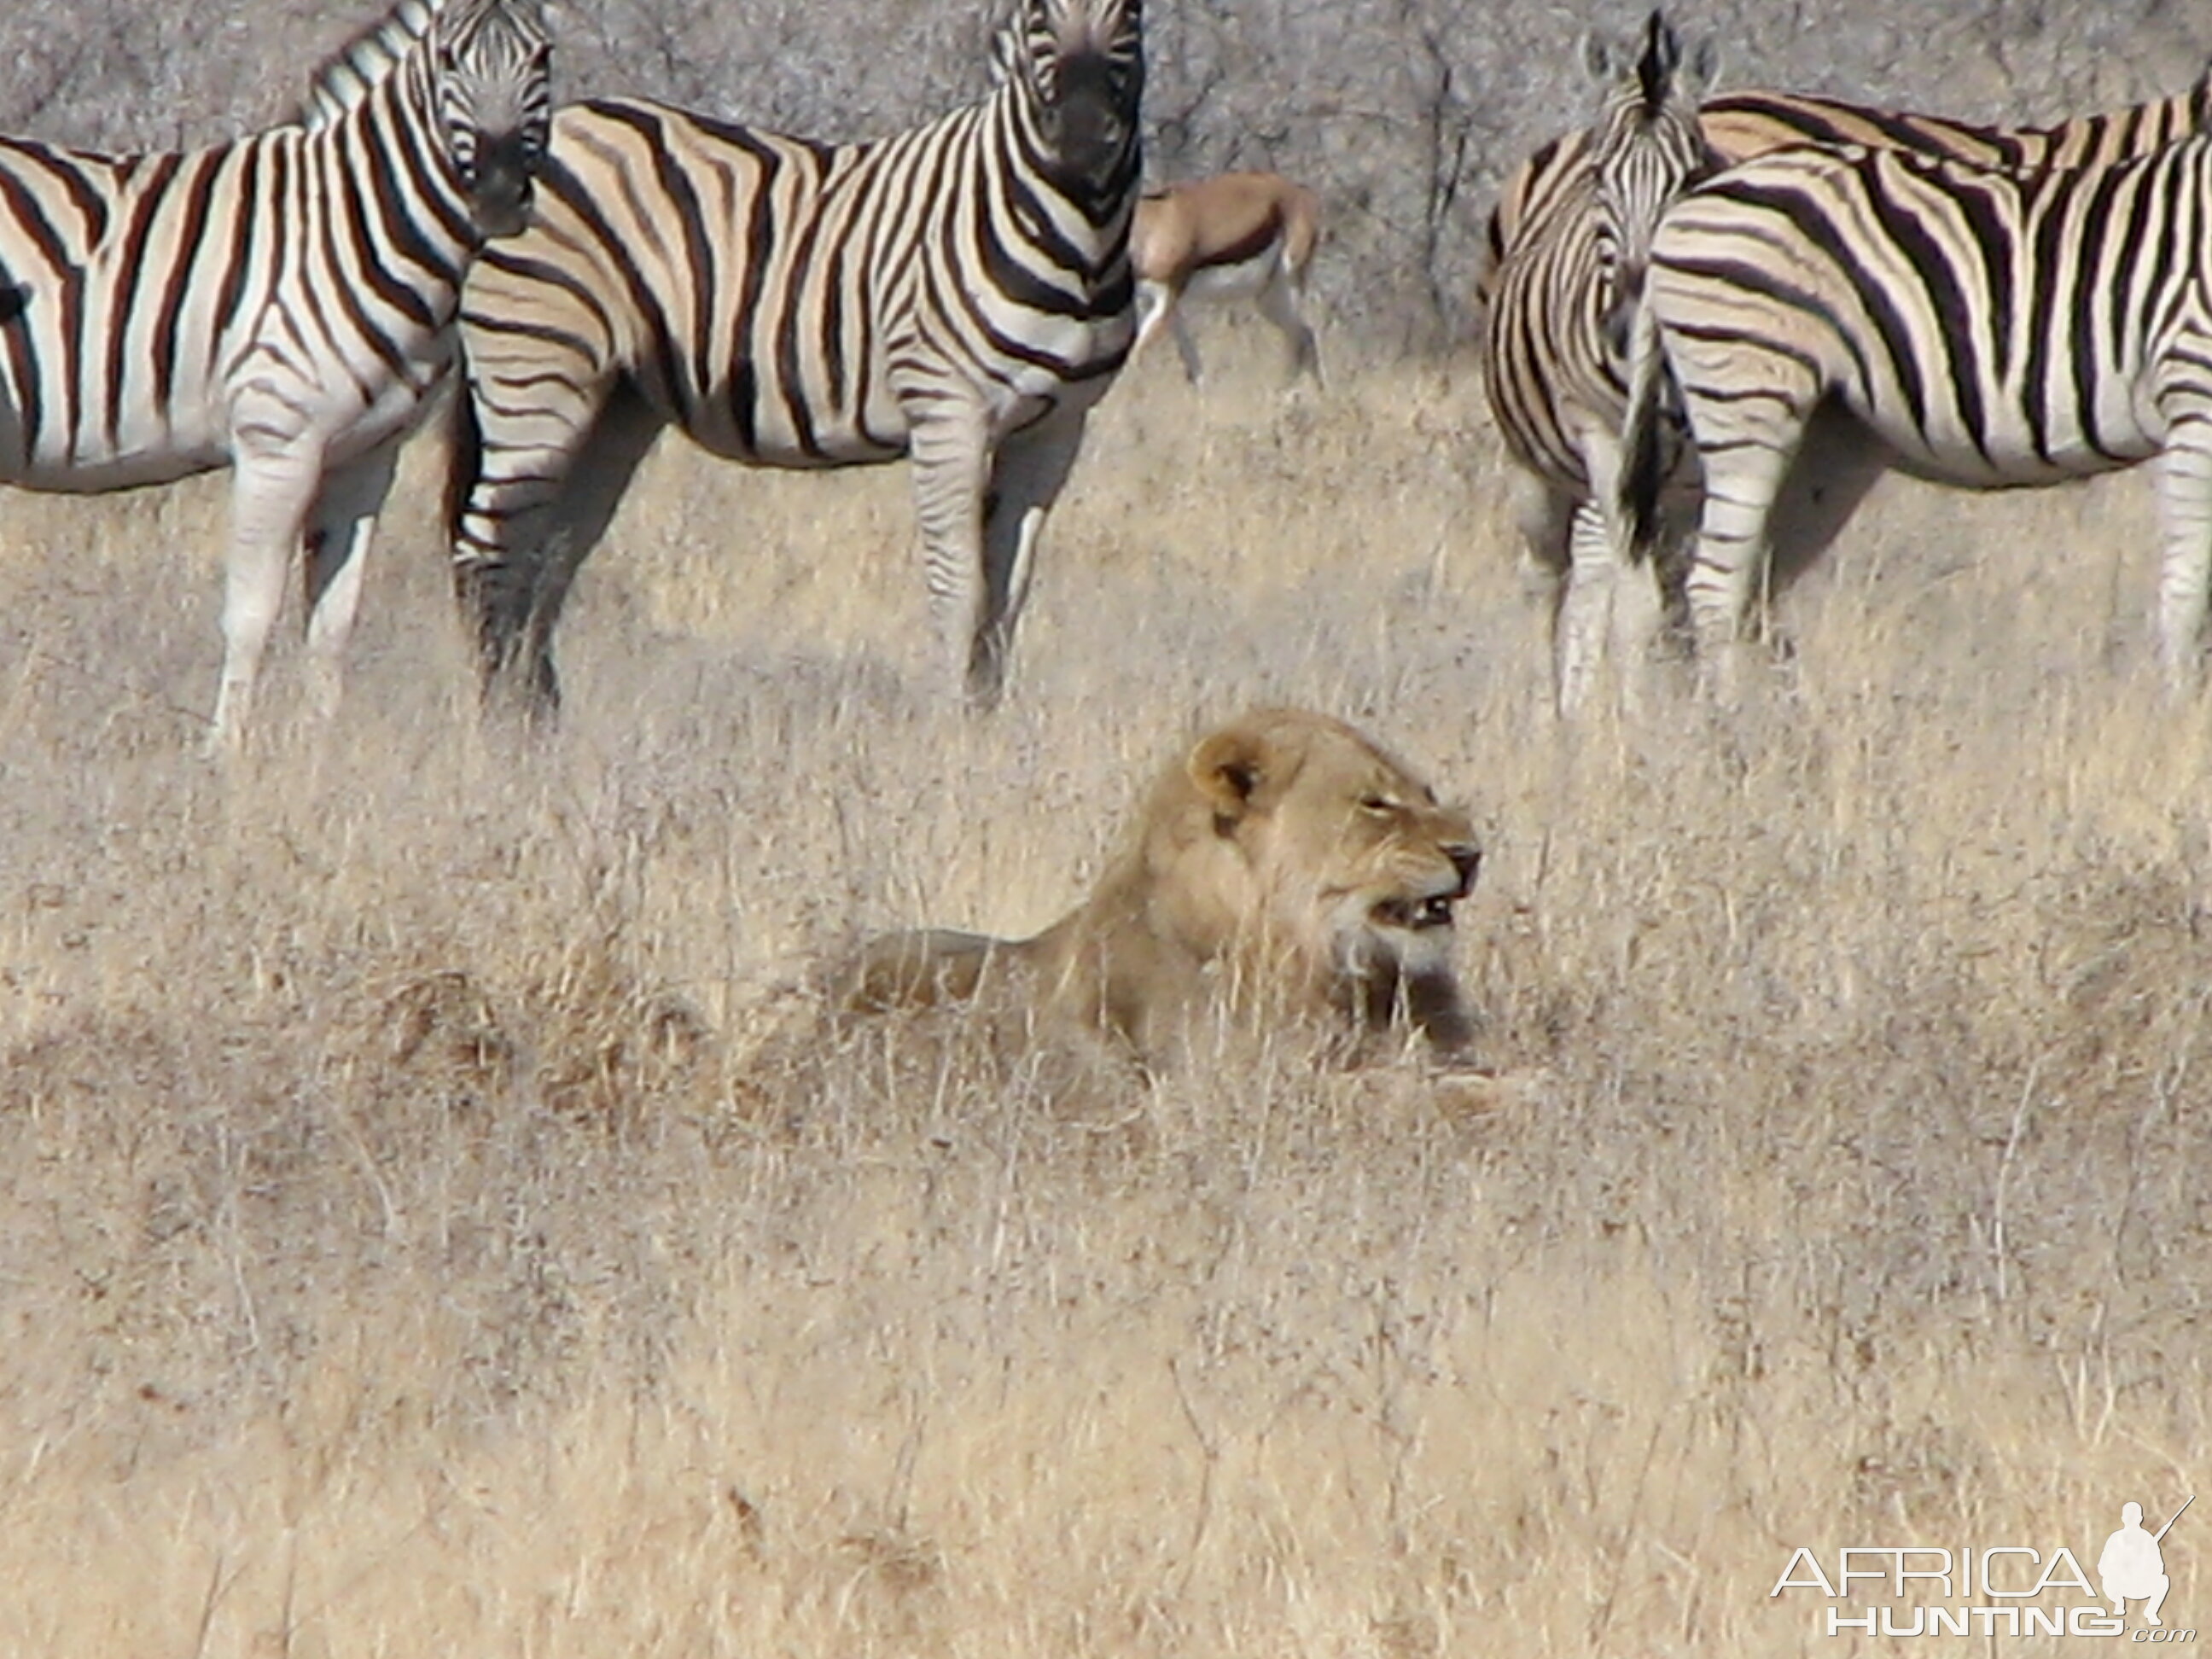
[1293,845]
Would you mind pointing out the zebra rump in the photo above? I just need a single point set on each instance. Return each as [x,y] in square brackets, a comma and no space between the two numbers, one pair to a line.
[1984,328]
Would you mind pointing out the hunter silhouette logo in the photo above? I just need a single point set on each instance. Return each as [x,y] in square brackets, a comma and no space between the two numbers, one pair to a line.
[1991,1590]
[2132,1567]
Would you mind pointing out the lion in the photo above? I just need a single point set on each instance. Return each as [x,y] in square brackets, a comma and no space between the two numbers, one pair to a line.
[1287,867]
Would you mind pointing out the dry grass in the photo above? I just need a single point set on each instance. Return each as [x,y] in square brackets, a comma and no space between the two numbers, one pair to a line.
[404,1254]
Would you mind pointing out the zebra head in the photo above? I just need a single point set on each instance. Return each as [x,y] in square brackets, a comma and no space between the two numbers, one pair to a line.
[1079,67]
[1645,148]
[494,94]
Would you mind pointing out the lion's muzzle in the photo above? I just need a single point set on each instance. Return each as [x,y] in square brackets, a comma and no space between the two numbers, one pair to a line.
[1418,912]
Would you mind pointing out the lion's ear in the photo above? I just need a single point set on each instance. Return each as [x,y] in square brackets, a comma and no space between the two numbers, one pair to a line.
[1230,769]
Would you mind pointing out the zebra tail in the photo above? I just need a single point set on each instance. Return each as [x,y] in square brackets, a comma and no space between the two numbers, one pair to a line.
[1644,438]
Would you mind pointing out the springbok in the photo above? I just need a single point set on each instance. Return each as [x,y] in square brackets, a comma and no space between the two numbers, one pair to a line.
[1235,236]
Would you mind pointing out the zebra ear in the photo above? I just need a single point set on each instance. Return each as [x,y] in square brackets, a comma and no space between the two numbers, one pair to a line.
[1656,63]
[1010,38]
[1702,73]
[1597,56]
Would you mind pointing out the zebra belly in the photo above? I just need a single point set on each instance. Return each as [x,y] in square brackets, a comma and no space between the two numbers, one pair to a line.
[99,473]
[764,429]
[2011,450]
[83,450]
[93,467]
[773,438]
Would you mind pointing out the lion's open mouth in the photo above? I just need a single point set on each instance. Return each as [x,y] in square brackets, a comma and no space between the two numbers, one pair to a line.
[1414,914]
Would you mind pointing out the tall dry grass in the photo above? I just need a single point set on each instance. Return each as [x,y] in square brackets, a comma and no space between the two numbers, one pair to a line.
[406,1251]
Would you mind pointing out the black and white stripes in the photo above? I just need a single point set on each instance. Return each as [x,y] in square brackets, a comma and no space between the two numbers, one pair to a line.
[960,294]
[1738,125]
[1553,326]
[348,75]
[1555,414]
[281,305]
[1991,328]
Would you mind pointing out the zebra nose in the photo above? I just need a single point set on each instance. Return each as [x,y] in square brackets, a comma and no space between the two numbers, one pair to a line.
[500,192]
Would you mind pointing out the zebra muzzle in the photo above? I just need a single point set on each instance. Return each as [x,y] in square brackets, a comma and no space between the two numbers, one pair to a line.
[501,186]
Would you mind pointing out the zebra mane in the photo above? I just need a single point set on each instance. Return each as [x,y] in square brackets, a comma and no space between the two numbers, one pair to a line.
[1659,69]
[348,75]
[1655,66]
[1654,56]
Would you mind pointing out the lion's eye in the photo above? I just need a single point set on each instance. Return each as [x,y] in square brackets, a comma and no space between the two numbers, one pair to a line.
[1382,806]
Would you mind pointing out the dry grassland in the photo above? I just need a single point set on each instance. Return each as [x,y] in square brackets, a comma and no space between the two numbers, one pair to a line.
[406,1251]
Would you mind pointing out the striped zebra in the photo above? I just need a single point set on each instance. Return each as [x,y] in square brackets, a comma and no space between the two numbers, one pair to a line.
[959,294]
[1738,125]
[1552,355]
[281,304]
[1989,328]
[1543,213]
[347,76]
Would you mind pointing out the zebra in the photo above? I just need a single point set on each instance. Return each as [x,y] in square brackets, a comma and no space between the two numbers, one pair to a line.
[1984,327]
[348,75]
[1545,214]
[1551,339]
[282,304]
[959,294]
[1738,125]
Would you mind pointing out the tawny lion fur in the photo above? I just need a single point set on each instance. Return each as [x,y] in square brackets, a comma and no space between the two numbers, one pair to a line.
[1286,867]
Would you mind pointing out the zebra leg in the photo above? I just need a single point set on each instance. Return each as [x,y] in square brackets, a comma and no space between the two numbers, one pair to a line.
[496,597]
[524,517]
[950,457]
[1639,619]
[1584,619]
[271,490]
[1027,476]
[1279,303]
[620,438]
[2183,477]
[1743,481]
[339,530]
[1593,610]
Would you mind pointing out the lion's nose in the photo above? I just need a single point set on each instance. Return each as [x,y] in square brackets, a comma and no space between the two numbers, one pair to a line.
[1466,860]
